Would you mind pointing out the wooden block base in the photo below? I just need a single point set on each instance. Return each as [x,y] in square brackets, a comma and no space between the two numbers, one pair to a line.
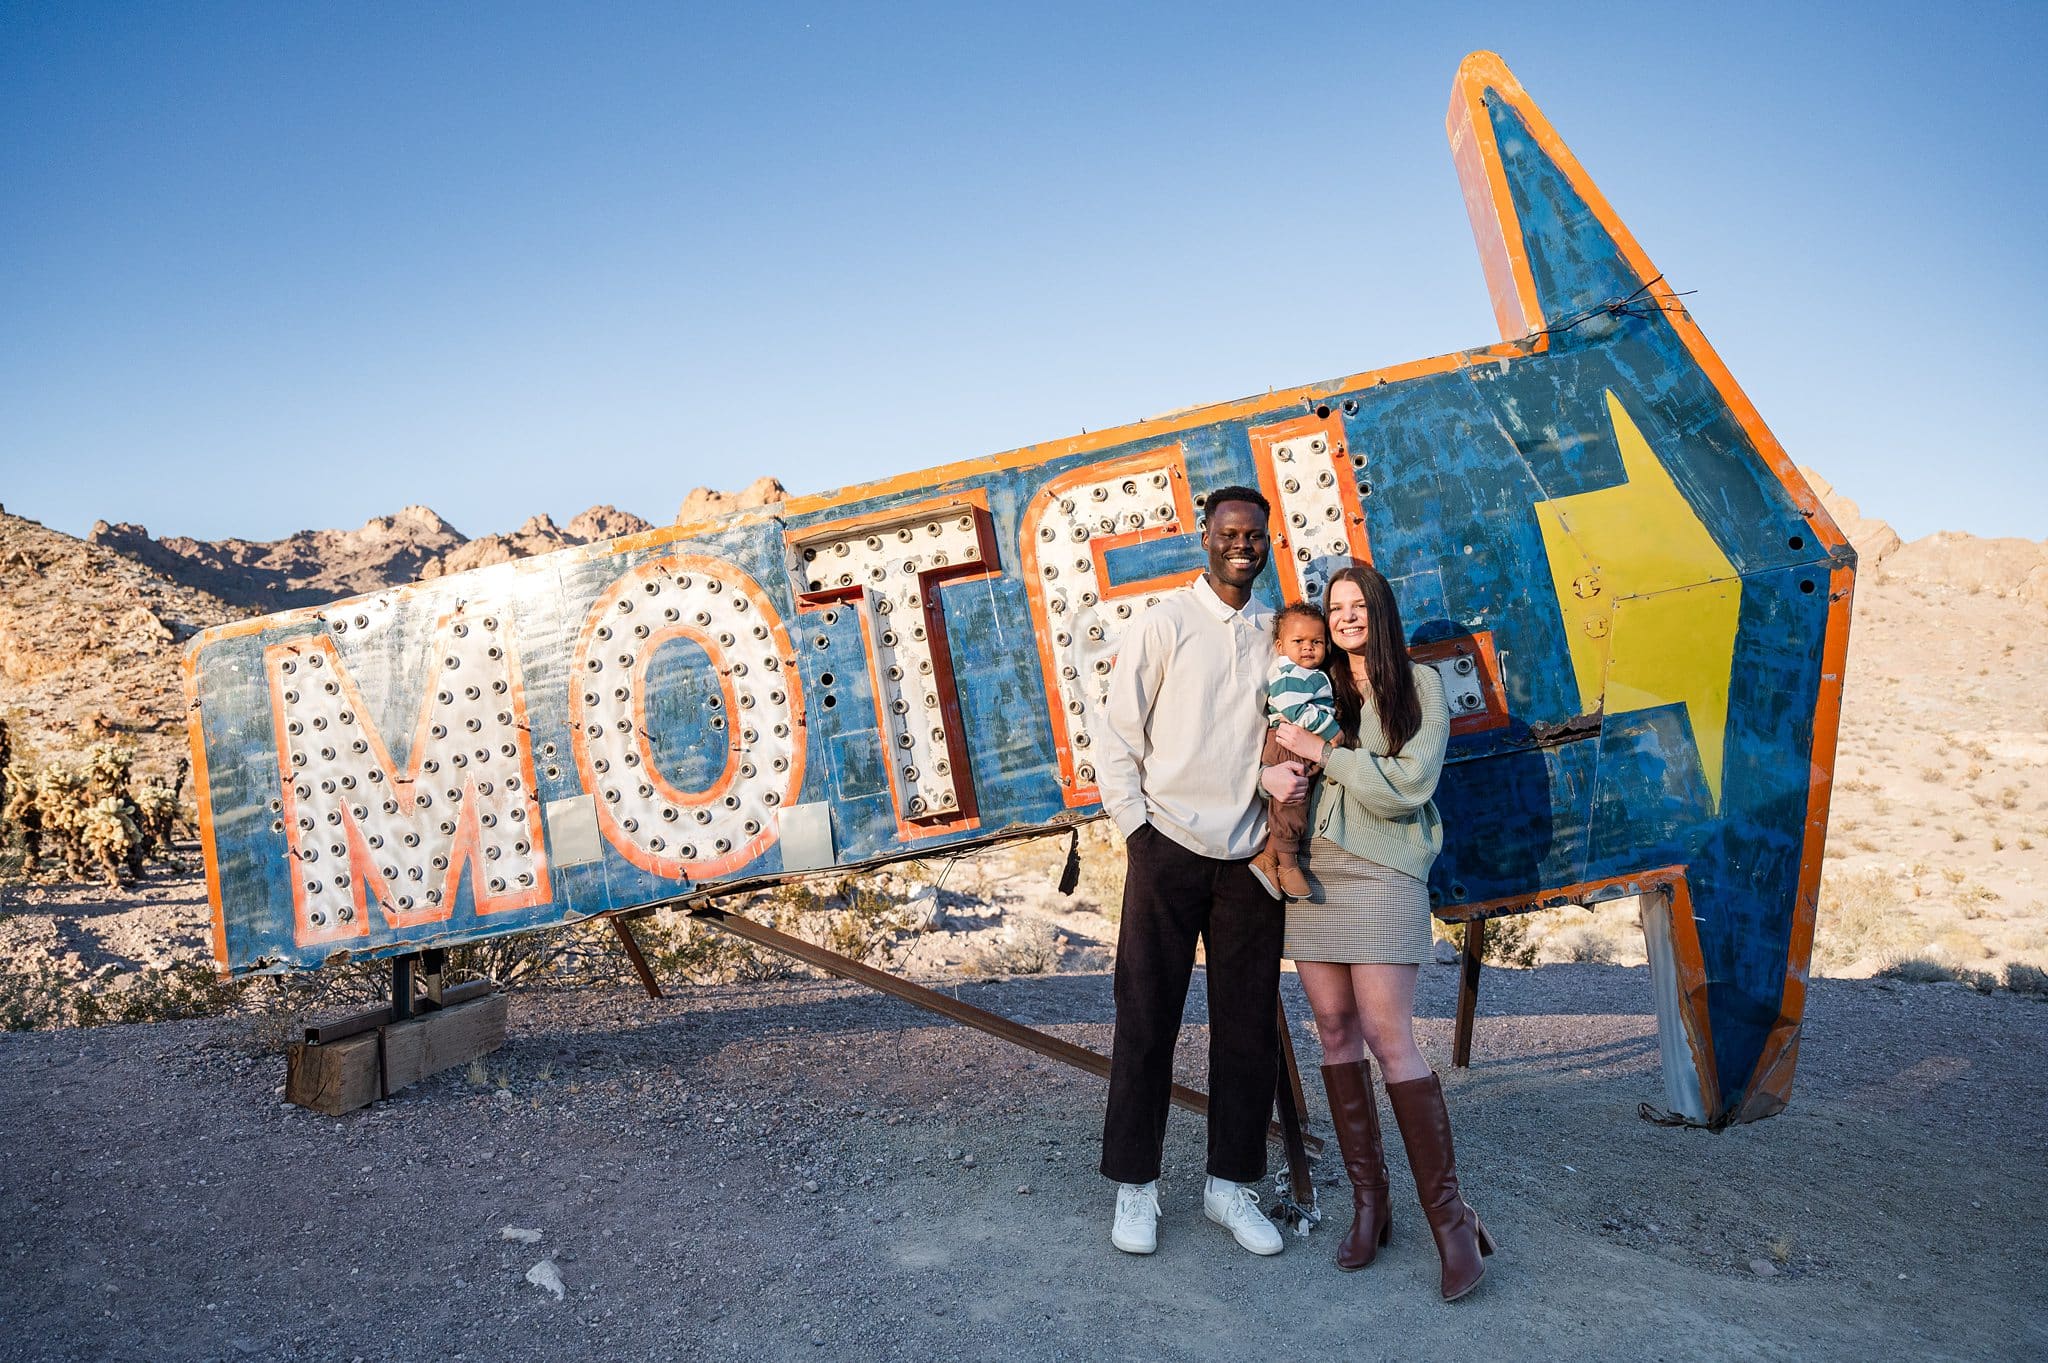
[355,1071]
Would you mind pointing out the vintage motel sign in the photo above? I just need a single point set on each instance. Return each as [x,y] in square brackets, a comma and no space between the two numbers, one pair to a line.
[1639,608]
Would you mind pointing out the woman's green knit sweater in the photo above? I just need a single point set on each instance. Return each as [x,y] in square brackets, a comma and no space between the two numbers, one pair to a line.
[1378,807]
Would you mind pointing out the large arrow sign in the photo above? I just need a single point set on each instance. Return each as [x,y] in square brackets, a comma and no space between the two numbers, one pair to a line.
[1639,609]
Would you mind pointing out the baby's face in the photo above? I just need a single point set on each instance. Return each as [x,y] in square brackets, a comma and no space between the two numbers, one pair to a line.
[1301,641]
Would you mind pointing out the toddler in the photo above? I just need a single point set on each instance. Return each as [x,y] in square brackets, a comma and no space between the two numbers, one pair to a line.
[1296,690]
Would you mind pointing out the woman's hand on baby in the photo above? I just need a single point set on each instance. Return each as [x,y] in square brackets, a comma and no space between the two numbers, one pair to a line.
[1300,741]
[1284,782]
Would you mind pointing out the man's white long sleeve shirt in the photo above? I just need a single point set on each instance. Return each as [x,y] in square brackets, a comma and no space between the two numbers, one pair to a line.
[1187,722]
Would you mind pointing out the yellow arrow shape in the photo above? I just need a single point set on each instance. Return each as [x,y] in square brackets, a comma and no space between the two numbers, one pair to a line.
[1647,595]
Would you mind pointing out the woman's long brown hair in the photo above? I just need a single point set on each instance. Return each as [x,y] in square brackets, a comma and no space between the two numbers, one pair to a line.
[1386,663]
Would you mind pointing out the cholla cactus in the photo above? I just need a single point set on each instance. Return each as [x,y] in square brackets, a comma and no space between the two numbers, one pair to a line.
[21,816]
[107,769]
[109,836]
[60,809]
[107,766]
[84,813]
[157,808]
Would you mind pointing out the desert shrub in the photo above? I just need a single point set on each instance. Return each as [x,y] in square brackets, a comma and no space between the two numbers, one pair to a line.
[1584,944]
[586,953]
[678,946]
[858,921]
[855,916]
[172,993]
[1507,941]
[32,1001]
[1858,918]
[1027,947]
[47,998]
[2024,977]
[1935,970]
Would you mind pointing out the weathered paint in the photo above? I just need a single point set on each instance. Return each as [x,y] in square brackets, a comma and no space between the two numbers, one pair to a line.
[1589,512]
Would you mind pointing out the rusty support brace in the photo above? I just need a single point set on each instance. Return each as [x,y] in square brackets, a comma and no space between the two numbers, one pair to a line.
[1293,1108]
[633,953]
[1468,991]
[1031,1039]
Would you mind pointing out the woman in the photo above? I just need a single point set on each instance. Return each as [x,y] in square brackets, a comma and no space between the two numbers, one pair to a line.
[1358,943]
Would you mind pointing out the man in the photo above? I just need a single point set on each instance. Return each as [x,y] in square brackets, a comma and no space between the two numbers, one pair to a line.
[1179,773]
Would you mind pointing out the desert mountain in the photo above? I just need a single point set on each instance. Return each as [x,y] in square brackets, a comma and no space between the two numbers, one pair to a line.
[703,504]
[313,566]
[1963,562]
[539,535]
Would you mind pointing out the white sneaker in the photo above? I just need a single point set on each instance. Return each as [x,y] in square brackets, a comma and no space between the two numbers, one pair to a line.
[1137,1218]
[1236,1208]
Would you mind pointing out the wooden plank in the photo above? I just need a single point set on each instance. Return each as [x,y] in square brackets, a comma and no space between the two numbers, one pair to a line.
[342,1075]
[433,1042]
[338,1077]
[325,1033]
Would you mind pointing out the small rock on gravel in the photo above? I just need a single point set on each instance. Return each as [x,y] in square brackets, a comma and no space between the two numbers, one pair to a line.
[546,1277]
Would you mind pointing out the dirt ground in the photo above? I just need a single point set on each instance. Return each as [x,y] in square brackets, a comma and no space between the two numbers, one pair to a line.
[807,1170]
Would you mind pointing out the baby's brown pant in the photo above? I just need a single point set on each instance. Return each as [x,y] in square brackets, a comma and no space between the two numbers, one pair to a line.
[1286,823]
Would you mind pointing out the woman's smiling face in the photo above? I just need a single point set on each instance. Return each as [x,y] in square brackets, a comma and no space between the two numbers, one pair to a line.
[1348,622]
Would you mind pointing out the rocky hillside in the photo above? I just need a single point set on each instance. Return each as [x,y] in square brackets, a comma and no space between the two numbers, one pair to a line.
[89,645]
[313,566]
[2014,568]
[537,536]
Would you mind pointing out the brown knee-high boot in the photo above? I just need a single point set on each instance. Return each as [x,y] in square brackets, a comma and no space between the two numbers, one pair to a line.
[1356,1115]
[1461,1242]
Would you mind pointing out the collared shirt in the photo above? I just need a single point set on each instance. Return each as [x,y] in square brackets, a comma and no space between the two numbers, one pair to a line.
[1187,721]
[1302,695]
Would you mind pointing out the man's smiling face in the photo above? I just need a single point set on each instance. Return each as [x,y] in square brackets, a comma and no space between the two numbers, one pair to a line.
[1235,538]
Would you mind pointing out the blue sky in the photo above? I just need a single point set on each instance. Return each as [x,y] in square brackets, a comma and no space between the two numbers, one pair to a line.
[266,267]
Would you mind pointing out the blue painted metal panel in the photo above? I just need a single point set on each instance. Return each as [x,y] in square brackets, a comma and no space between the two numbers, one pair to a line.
[904,652]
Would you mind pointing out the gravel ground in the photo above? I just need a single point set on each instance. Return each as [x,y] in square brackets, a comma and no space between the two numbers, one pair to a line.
[806,1170]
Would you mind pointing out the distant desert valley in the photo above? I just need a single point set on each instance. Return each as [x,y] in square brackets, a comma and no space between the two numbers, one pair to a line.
[1937,846]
